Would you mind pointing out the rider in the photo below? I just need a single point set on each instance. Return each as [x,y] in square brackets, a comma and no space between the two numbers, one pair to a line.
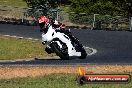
[45,22]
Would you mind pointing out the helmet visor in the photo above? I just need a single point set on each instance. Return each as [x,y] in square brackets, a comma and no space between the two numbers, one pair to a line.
[42,25]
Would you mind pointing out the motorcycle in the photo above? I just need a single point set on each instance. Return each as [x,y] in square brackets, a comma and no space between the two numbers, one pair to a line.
[61,44]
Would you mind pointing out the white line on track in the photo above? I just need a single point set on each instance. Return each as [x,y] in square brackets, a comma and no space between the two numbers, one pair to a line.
[13,36]
[6,35]
[30,38]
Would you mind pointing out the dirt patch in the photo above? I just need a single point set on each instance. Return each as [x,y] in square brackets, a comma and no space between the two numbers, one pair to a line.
[7,72]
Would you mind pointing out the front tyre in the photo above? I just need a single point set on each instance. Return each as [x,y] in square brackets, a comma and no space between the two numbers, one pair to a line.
[59,52]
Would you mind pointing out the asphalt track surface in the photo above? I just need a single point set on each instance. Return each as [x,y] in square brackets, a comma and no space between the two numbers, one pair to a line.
[113,47]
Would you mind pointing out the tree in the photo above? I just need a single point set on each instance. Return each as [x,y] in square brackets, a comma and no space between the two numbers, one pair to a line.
[93,6]
[111,7]
[124,6]
[41,7]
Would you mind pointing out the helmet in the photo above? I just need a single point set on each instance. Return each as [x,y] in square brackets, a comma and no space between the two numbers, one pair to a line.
[42,19]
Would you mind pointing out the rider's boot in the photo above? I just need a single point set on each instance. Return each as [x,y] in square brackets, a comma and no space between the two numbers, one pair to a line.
[73,39]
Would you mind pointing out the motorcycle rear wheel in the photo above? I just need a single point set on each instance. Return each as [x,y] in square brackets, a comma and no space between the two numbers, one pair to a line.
[83,54]
[80,48]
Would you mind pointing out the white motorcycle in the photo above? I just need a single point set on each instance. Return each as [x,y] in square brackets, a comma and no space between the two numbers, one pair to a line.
[61,44]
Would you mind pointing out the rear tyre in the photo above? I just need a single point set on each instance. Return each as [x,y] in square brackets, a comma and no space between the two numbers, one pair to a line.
[83,54]
[59,52]
[79,48]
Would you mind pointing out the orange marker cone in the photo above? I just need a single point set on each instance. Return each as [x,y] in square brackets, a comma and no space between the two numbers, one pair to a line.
[82,71]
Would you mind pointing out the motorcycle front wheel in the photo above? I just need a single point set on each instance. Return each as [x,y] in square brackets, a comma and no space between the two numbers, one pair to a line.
[63,55]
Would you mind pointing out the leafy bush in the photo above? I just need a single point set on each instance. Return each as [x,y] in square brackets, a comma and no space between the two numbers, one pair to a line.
[83,19]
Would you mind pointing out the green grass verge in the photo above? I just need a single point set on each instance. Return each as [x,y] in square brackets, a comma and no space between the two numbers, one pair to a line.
[12,48]
[7,8]
[13,3]
[54,81]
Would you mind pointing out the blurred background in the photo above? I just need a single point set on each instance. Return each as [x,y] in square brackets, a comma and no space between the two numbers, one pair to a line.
[85,14]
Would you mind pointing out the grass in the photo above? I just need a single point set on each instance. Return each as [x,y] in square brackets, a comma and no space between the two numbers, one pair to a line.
[54,81]
[13,3]
[12,48]
[8,8]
